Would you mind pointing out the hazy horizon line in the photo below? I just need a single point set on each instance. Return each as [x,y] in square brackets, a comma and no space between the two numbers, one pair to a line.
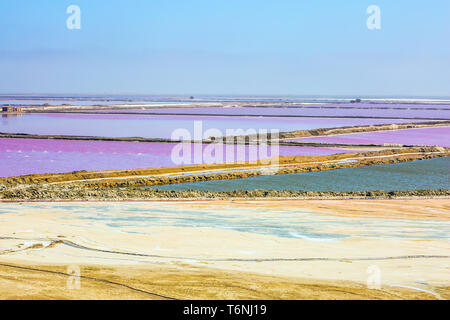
[312,96]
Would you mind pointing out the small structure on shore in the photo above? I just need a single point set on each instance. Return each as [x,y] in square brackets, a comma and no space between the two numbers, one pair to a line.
[9,109]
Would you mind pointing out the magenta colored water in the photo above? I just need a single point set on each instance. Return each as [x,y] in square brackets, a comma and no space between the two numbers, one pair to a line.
[160,126]
[394,111]
[423,136]
[32,156]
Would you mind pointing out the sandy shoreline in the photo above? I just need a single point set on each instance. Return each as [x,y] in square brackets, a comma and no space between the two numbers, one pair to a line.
[163,252]
[156,283]
[218,199]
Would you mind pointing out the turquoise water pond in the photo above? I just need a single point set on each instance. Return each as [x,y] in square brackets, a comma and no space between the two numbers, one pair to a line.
[414,175]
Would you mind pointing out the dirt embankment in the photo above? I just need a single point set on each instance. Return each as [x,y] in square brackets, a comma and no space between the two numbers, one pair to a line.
[123,185]
[83,138]
[76,192]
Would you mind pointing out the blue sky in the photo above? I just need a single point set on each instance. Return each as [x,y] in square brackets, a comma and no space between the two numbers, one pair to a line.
[289,47]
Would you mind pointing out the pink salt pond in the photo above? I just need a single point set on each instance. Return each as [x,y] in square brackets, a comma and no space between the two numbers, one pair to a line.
[422,136]
[35,156]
